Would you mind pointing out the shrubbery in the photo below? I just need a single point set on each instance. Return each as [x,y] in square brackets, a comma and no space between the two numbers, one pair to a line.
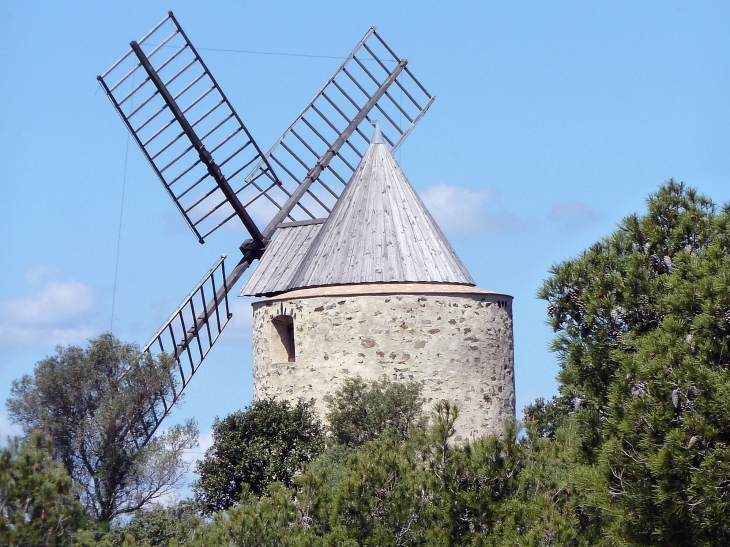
[268,442]
[632,451]
[37,506]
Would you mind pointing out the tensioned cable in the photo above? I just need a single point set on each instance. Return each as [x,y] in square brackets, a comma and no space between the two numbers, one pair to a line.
[119,235]
[282,54]
[121,216]
[270,53]
[276,53]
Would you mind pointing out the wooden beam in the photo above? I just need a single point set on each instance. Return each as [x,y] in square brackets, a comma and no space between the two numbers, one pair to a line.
[324,161]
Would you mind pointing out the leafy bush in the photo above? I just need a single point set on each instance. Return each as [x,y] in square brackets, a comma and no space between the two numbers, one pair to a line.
[267,442]
[157,526]
[361,411]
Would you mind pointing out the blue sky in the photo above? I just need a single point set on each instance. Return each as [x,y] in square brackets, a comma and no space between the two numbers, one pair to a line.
[553,121]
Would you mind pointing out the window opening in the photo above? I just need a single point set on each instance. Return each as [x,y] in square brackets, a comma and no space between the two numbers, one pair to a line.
[282,342]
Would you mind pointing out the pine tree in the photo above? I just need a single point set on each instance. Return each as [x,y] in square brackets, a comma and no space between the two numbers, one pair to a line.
[644,360]
[37,506]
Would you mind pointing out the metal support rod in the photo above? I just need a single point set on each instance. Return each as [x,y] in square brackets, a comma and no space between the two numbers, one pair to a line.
[324,161]
[205,156]
[413,124]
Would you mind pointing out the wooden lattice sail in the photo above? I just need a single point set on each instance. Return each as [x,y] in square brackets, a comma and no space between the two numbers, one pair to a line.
[214,171]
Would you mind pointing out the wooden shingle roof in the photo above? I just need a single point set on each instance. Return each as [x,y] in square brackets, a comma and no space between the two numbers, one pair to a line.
[274,272]
[378,232]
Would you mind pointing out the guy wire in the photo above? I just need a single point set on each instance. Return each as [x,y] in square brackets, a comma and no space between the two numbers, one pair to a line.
[121,216]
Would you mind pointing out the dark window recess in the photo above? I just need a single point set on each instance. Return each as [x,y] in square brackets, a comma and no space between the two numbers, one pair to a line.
[290,342]
[282,339]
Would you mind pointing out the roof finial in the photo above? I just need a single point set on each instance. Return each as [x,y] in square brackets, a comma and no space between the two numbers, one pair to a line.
[377,137]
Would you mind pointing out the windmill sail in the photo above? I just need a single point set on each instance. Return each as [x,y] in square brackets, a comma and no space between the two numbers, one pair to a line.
[188,131]
[317,154]
[190,332]
[214,170]
[188,335]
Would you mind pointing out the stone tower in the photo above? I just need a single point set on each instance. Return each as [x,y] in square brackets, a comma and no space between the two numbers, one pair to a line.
[376,290]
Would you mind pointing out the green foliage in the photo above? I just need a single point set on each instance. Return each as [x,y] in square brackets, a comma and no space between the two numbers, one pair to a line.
[36,502]
[643,333]
[545,417]
[612,293]
[157,526]
[633,451]
[362,411]
[421,490]
[267,521]
[95,404]
[269,441]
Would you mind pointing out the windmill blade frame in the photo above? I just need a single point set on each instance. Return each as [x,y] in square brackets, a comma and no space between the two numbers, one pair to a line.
[186,128]
[326,141]
[202,150]
[189,334]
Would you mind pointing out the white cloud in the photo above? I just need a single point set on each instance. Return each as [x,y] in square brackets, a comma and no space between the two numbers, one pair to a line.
[58,313]
[38,273]
[573,214]
[463,211]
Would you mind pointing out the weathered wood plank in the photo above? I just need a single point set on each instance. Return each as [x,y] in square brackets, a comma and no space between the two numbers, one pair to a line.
[379,231]
[276,268]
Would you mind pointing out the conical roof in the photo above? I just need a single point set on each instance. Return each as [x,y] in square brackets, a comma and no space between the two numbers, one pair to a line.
[379,232]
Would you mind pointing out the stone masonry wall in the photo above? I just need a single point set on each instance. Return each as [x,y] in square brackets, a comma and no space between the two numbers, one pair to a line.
[459,346]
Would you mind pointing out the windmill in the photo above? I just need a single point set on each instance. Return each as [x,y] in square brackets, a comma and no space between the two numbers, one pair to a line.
[214,170]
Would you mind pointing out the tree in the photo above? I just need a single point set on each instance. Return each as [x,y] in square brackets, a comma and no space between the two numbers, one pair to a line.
[267,442]
[361,411]
[267,521]
[545,417]
[95,403]
[643,334]
[157,526]
[36,502]
[421,489]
